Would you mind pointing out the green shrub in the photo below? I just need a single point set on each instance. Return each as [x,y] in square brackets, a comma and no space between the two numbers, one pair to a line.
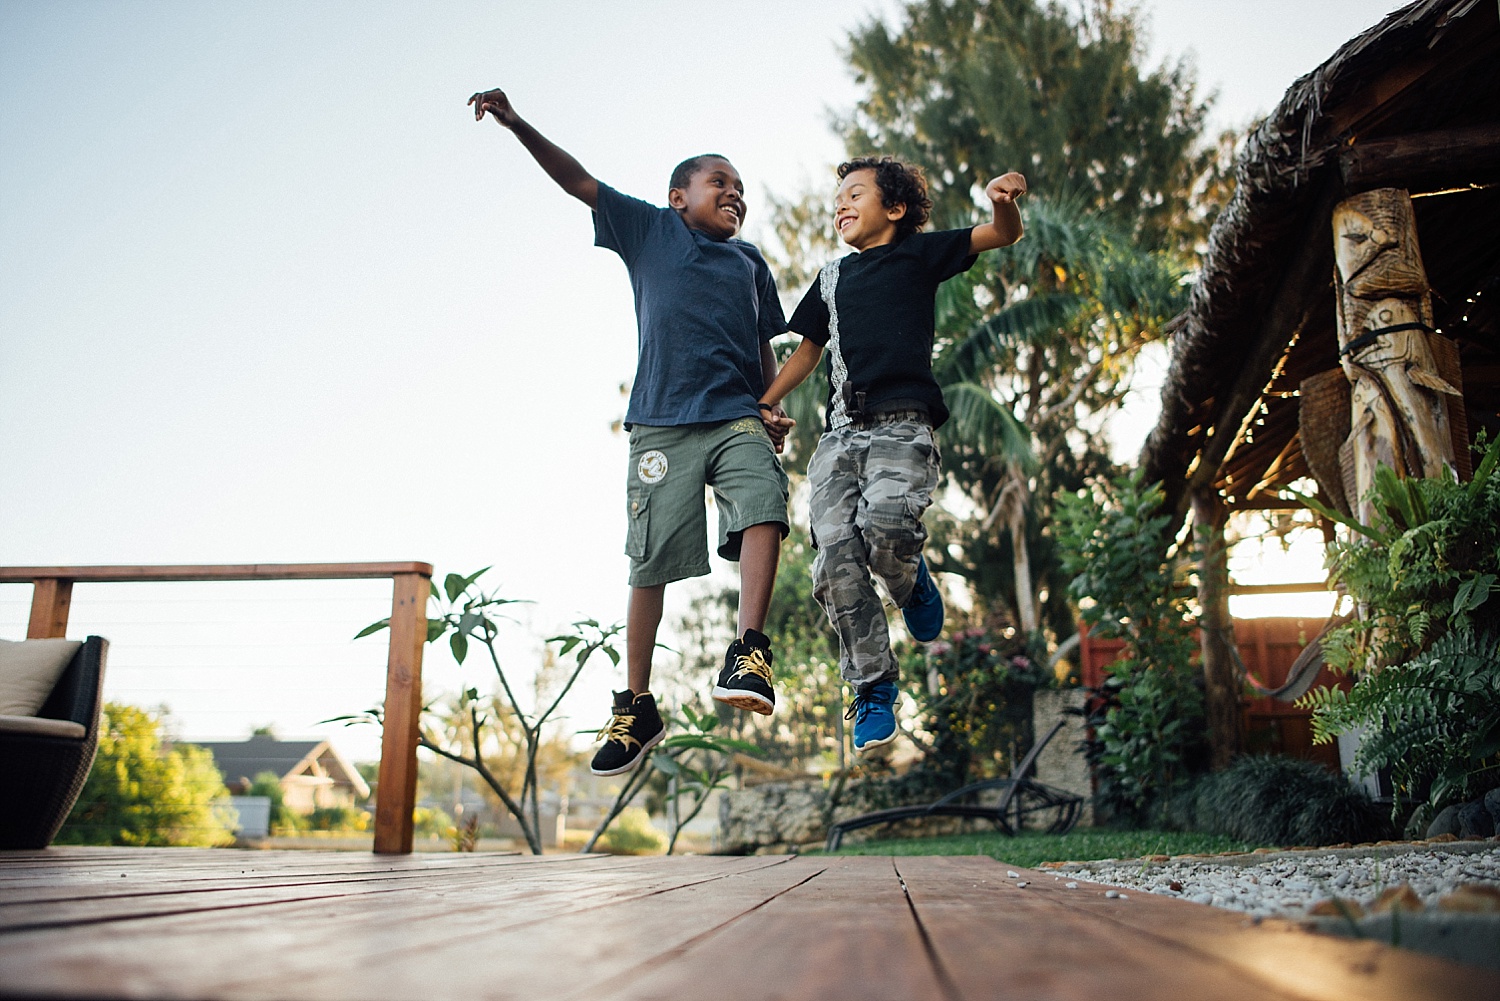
[1117,544]
[632,834]
[1274,801]
[143,790]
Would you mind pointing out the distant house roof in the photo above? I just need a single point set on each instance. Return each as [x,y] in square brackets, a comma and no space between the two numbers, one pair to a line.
[1261,315]
[244,759]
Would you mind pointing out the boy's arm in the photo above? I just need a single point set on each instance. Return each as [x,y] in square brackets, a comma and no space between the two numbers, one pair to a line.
[1006,228]
[797,368]
[775,419]
[557,162]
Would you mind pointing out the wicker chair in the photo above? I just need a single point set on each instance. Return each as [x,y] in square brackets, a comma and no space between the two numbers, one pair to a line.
[43,765]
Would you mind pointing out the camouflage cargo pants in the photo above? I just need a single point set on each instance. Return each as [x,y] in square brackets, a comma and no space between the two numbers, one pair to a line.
[871,484]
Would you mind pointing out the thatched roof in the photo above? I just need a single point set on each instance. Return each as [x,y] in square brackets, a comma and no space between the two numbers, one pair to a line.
[1261,316]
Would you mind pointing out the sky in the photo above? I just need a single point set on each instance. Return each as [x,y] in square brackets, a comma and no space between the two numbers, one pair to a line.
[268,293]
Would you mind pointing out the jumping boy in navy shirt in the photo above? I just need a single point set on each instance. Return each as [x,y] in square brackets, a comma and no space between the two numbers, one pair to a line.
[706,309]
[876,465]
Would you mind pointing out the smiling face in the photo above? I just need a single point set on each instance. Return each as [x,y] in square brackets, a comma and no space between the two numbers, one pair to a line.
[859,212]
[713,202]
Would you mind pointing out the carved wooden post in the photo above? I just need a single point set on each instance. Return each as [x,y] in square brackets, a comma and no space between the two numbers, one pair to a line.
[1221,677]
[1399,415]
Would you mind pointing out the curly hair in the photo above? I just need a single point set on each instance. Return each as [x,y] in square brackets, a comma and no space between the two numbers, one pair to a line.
[900,184]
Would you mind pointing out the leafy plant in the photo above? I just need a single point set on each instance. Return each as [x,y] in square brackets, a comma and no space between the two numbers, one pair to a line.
[973,697]
[1427,700]
[1151,730]
[1433,721]
[475,727]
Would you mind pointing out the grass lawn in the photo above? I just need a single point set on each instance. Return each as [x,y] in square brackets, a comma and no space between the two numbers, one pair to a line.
[1032,849]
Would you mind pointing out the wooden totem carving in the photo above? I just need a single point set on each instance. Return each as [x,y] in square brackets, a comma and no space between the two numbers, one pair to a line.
[1399,410]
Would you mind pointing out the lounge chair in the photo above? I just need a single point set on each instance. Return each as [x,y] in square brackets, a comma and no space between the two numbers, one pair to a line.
[45,758]
[1022,803]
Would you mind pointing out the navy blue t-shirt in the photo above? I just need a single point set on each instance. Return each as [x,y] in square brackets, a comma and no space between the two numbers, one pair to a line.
[702,306]
[874,312]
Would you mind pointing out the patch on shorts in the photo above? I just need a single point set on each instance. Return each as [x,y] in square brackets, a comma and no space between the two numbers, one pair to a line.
[750,425]
[652,467]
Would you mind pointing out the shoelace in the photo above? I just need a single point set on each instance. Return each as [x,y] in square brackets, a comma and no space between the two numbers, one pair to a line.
[618,728]
[861,706]
[754,663]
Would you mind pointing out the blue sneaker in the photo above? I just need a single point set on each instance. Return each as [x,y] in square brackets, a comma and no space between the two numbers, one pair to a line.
[924,609]
[874,715]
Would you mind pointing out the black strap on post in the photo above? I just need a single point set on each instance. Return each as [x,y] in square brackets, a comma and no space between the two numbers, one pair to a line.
[1365,340]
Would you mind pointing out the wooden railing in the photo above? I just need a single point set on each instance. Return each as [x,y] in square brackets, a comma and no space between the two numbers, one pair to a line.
[52,593]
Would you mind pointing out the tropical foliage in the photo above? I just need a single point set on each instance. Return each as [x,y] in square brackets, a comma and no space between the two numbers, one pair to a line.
[1426,645]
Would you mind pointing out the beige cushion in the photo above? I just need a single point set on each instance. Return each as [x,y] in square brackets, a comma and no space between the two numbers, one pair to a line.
[37,726]
[29,671]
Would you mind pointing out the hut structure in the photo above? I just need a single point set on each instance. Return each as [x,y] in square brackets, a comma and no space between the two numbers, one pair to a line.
[1348,307]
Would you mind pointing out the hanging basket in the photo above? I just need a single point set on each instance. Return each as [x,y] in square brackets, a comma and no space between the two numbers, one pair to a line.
[1323,423]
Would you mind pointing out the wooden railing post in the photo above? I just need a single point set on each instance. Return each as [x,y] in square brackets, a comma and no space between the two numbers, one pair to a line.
[397,793]
[50,598]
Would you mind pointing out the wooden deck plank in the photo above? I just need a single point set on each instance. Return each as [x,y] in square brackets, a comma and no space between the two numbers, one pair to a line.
[110,884]
[998,941]
[844,932]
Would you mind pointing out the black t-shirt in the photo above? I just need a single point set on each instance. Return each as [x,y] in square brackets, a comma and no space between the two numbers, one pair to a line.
[878,332]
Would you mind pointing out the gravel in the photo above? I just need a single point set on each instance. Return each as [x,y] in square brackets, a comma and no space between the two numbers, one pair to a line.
[1293,884]
[1439,898]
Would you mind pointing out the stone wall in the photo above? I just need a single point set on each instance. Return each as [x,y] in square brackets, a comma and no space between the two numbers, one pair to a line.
[1061,763]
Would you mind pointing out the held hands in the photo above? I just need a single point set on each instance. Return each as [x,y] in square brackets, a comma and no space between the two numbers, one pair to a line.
[778,425]
[1003,190]
[496,103]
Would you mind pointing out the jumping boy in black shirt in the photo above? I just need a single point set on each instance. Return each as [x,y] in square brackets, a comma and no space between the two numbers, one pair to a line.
[876,465]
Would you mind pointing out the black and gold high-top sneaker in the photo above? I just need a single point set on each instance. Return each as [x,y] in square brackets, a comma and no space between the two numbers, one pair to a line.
[745,682]
[634,728]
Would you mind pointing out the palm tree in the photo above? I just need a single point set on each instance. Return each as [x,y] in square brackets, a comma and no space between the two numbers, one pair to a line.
[1035,348]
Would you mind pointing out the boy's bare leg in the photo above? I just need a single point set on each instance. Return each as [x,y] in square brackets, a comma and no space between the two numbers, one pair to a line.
[641,621]
[760,551]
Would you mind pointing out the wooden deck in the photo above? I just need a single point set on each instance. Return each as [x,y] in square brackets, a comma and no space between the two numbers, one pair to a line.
[187,923]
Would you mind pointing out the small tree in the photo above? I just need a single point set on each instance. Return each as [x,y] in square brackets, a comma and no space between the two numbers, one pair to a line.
[475,732]
[145,791]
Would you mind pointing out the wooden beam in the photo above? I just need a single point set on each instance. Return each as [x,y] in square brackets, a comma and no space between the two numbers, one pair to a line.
[232,571]
[1221,677]
[397,792]
[1299,587]
[50,599]
[1424,161]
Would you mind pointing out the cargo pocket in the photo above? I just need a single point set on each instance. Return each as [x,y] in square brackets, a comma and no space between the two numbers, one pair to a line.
[635,534]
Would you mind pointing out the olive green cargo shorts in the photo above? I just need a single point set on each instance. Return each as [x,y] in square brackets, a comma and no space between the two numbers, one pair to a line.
[667,539]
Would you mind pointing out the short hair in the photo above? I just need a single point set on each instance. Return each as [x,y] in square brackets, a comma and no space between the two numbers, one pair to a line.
[682,174]
[900,184]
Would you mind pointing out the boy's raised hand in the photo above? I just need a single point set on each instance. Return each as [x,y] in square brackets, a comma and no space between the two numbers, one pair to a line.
[1005,189]
[495,103]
